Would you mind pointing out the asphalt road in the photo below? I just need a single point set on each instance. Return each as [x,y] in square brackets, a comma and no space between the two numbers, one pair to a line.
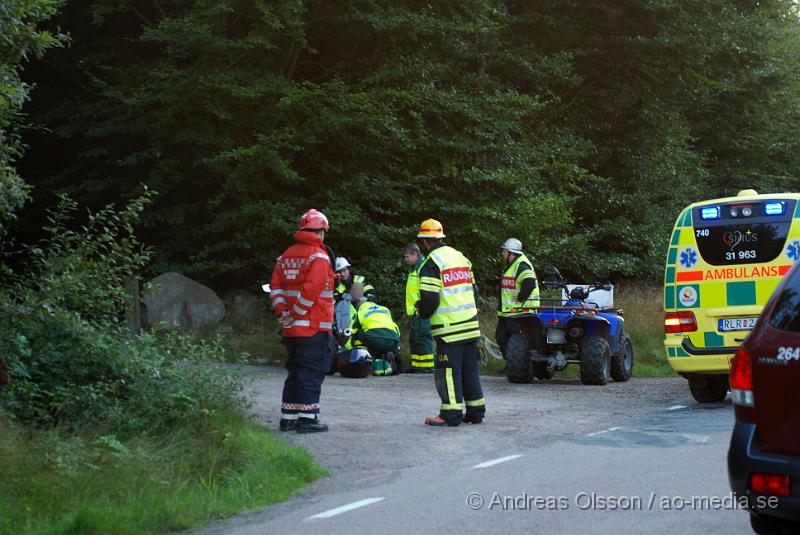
[553,457]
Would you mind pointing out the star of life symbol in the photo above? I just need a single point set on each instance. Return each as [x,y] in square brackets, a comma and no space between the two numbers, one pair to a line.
[688,257]
[793,250]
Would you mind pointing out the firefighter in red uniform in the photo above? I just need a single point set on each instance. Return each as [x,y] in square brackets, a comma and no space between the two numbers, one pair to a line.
[302,298]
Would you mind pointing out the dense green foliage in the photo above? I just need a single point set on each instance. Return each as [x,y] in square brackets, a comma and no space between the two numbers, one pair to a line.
[20,38]
[579,128]
[100,433]
[69,358]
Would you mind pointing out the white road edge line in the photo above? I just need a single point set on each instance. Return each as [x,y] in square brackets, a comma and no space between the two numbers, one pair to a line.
[346,508]
[493,462]
[603,431]
[676,407]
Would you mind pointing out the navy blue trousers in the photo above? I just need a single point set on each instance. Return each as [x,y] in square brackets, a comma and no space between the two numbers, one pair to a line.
[457,380]
[309,359]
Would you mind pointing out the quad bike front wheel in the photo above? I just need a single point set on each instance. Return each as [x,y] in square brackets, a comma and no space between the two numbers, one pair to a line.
[595,361]
[518,360]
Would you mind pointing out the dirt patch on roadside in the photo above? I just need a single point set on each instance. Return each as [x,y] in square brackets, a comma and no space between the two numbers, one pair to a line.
[376,424]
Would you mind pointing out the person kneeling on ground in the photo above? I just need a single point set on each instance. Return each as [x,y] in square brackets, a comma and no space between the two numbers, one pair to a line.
[373,328]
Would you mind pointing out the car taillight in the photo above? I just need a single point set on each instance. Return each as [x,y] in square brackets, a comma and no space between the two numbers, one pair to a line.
[771,484]
[741,378]
[680,322]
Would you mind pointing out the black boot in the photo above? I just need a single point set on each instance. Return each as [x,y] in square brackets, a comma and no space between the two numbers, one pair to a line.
[308,425]
[288,425]
[472,419]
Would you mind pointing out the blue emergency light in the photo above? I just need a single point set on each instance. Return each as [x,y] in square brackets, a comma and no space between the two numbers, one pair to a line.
[710,213]
[775,208]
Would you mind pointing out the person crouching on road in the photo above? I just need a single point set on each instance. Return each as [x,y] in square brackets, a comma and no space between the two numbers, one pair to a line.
[373,327]
[302,298]
[519,293]
[347,277]
[448,297]
[420,341]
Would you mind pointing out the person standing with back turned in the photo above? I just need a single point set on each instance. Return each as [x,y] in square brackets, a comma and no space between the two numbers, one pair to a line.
[448,297]
[302,298]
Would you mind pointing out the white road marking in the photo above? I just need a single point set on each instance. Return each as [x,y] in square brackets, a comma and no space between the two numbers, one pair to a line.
[676,407]
[603,431]
[346,508]
[493,462]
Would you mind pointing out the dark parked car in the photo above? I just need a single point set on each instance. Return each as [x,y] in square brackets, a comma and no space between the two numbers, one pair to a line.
[764,454]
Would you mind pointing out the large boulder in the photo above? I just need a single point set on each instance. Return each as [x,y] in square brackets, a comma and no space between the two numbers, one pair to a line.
[178,301]
[242,306]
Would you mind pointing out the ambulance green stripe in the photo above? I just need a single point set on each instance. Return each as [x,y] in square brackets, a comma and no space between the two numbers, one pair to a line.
[713,340]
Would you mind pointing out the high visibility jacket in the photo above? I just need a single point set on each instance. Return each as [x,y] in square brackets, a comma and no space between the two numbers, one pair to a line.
[368,317]
[412,288]
[510,286]
[342,287]
[302,284]
[456,318]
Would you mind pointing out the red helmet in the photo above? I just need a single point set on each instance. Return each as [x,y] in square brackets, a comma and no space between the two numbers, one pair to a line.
[313,220]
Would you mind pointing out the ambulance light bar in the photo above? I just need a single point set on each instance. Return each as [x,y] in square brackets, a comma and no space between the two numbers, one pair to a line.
[710,213]
[775,208]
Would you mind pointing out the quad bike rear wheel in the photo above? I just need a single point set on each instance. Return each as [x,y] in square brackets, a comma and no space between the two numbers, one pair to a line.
[595,361]
[518,360]
[622,364]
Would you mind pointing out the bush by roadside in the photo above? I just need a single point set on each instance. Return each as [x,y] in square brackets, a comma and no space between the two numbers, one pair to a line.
[102,433]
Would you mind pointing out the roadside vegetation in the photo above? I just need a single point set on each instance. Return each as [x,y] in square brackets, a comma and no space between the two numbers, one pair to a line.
[579,129]
[103,433]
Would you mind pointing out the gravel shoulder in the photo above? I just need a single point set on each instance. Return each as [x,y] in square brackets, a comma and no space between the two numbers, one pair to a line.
[377,430]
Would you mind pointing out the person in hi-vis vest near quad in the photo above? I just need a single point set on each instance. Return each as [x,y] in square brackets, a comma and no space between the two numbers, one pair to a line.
[519,293]
[420,341]
[448,298]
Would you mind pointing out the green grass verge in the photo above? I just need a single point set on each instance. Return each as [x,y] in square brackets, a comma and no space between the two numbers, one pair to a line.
[58,484]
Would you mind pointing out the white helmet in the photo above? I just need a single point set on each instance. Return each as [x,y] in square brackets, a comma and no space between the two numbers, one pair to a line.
[513,245]
[341,263]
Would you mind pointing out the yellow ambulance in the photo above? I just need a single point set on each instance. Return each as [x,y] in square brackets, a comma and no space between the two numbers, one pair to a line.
[725,258]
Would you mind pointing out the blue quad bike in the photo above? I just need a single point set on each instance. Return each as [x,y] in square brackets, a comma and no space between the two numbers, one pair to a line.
[576,331]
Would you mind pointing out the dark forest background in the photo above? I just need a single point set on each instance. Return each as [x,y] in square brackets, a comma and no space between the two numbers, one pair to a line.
[579,127]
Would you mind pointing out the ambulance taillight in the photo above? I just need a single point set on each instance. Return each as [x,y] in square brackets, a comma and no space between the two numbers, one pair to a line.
[680,322]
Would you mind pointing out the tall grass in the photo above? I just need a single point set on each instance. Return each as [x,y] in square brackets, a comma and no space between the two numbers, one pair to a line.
[644,321]
[54,483]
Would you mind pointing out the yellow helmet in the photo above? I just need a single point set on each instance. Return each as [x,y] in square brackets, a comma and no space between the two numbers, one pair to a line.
[430,228]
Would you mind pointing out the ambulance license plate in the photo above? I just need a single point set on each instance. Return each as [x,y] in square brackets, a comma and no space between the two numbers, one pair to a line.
[736,324]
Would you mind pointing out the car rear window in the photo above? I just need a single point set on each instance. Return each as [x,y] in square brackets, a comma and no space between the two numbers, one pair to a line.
[726,236]
[786,314]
